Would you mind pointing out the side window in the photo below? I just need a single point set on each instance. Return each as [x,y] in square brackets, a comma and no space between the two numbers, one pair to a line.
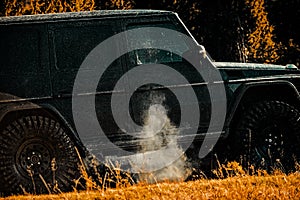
[73,44]
[174,47]
[147,53]
[19,50]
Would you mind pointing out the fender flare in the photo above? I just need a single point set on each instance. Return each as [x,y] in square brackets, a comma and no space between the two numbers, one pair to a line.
[244,88]
[15,104]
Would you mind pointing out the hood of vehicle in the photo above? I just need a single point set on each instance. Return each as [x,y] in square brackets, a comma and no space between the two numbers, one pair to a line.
[231,70]
[253,66]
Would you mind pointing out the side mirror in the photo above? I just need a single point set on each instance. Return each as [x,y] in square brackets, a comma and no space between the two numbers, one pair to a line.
[198,53]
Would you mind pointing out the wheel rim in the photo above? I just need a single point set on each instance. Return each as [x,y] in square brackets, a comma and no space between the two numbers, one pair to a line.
[33,158]
[269,134]
[270,149]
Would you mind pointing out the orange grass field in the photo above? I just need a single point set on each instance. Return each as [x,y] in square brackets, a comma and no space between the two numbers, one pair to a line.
[264,186]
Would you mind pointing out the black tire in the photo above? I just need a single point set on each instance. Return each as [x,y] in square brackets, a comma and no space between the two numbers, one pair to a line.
[35,150]
[267,136]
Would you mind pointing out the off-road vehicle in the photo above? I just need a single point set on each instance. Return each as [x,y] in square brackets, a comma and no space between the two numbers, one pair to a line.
[42,55]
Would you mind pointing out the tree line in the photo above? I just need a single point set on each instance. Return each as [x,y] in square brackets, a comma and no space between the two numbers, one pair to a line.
[264,31]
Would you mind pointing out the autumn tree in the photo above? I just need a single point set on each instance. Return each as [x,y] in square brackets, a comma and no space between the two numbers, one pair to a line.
[262,46]
[31,7]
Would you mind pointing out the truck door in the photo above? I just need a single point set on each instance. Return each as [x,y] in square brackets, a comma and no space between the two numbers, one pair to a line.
[172,77]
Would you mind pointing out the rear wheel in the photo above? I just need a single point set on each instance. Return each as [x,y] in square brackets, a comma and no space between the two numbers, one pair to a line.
[267,136]
[36,156]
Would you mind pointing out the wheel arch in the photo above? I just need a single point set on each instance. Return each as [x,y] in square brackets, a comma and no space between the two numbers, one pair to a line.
[15,110]
[249,93]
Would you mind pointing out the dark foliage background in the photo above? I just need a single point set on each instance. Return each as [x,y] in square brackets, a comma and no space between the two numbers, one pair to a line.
[222,25]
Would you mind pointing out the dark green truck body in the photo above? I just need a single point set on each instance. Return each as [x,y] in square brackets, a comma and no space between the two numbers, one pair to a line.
[40,57]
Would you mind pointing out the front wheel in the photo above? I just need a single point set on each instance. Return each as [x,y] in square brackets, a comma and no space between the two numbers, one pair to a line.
[267,136]
[36,156]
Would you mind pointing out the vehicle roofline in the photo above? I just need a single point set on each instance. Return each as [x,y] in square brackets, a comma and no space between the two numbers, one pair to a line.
[50,17]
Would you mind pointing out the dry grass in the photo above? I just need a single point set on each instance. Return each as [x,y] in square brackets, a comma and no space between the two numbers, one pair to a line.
[238,185]
[243,187]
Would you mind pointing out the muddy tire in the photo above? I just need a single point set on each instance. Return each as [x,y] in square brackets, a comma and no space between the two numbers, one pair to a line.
[267,136]
[36,156]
